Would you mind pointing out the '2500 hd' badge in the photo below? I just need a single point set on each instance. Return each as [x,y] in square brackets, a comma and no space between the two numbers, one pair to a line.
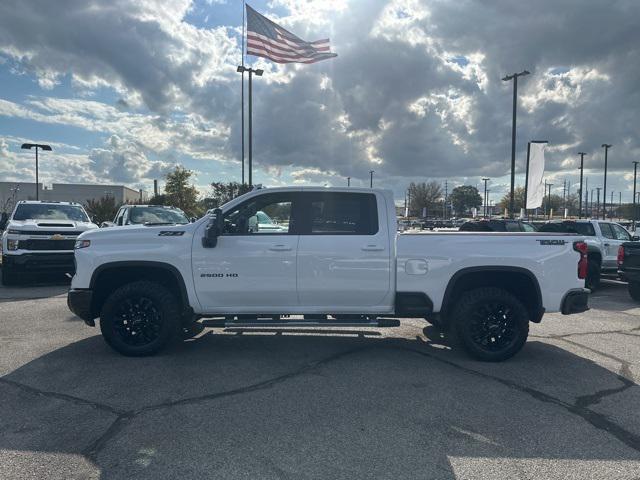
[552,242]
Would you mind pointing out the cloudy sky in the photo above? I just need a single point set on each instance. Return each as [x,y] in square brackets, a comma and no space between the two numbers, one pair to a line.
[125,89]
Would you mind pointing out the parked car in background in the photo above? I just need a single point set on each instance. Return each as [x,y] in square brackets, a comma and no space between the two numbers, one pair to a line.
[629,267]
[603,238]
[40,236]
[147,215]
[497,225]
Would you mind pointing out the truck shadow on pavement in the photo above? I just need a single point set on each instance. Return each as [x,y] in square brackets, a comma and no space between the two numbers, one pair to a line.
[317,406]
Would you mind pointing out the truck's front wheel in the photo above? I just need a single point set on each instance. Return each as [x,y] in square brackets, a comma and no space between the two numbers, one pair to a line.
[140,318]
[491,323]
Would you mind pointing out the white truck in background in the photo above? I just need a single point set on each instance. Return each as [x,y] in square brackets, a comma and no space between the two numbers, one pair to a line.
[39,236]
[337,261]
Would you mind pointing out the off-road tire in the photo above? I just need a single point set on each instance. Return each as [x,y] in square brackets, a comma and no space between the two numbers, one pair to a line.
[490,323]
[592,281]
[144,308]
[634,290]
[8,277]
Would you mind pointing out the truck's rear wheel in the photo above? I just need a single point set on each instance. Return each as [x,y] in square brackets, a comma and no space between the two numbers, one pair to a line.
[140,318]
[592,281]
[634,290]
[491,324]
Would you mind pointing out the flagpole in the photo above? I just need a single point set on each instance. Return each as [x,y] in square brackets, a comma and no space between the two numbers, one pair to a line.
[242,91]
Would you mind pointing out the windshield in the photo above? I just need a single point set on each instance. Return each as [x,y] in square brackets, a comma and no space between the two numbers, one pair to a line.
[37,211]
[139,215]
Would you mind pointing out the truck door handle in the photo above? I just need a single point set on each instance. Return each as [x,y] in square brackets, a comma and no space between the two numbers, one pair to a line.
[372,248]
[606,244]
[280,248]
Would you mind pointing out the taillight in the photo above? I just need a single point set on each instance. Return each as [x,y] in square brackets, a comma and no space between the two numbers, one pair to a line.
[620,255]
[583,263]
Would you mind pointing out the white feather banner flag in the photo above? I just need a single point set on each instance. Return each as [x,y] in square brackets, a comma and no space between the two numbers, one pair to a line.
[535,185]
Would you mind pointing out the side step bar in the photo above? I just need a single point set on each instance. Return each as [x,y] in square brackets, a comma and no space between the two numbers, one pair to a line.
[222,323]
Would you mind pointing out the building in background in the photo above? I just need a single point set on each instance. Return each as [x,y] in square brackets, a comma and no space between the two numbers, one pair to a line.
[11,192]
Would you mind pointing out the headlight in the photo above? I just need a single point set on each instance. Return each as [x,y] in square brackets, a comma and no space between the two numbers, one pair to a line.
[12,244]
[82,243]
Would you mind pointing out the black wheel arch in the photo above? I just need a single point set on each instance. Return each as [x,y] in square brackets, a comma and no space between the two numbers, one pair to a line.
[515,280]
[109,276]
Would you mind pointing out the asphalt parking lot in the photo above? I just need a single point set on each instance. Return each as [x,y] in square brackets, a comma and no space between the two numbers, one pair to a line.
[392,403]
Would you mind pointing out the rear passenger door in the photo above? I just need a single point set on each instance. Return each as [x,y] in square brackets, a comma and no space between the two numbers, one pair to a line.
[610,246]
[344,253]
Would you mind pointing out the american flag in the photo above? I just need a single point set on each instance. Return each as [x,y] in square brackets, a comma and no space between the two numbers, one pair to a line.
[270,40]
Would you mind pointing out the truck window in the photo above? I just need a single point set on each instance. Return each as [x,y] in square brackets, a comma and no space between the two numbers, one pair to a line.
[620,233]
[607,231]
[342,214]
[265,214]
[43,211]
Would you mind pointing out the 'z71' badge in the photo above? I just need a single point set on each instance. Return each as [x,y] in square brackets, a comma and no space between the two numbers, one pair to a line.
[552,242]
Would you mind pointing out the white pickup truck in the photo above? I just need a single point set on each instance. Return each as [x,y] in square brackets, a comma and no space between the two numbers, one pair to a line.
[337,261]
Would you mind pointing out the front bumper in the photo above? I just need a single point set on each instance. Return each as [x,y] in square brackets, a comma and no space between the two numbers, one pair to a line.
[40,262]
[576,301]
[79,302]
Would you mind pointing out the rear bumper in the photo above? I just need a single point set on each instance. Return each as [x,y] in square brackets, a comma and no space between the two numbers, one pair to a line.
[631,275]
[79,302]
[40,262]
[575,301]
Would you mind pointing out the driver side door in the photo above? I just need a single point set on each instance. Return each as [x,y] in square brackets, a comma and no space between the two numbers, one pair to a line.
[251,269]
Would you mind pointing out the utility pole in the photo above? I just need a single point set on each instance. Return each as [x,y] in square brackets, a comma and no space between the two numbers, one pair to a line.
[606,147]
[371,172]
[635,174]
[485,180]
[582,154]
[508,78]
[549,199]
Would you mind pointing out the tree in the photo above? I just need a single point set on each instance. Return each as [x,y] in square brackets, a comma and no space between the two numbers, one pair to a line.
[180,193]
[518,200]
[424,195]
[465,198]
[222,193]
[102,210]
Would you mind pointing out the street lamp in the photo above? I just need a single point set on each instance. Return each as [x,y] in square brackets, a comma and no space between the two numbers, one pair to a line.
[635,173]
[485,180]
[582,154]
[606,147]
[258,72]
[46,148]
[508,78]
[371,172]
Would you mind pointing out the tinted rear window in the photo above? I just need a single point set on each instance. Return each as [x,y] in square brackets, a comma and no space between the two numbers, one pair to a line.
[343,214]
[585,229]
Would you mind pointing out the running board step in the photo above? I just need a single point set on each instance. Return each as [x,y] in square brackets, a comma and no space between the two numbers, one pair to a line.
[221,323]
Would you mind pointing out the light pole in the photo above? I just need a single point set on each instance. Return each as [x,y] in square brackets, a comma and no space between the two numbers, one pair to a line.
[46,148]
[549,200]
[635,174]
[348,181]
[598,202]
[258,72]
[485,180]
[582,154]
[606,147]
[371,172]
[488,207]
[508,78]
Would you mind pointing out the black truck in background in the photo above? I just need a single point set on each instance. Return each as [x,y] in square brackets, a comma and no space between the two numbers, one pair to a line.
[629,267]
